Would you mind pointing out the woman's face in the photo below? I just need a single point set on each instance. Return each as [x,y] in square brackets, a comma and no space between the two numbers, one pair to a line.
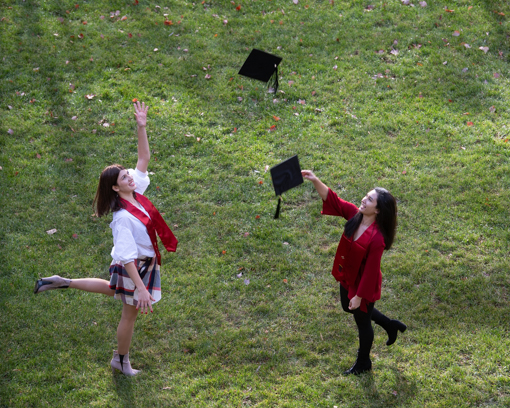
[369,204]
[125,183]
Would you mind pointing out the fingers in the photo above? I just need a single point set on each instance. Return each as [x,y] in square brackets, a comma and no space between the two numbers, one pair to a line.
[140,108]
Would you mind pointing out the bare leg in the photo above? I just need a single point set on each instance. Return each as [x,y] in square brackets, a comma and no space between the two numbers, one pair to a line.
[126,327]
[93,285]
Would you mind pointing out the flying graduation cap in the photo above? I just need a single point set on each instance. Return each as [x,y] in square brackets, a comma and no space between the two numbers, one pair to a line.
[285,176]
[262,66]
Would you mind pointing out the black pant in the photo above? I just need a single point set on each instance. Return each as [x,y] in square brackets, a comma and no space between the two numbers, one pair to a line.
[364,322]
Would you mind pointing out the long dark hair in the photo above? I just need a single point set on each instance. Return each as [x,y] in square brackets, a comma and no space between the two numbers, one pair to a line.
[107,199]
[386,218]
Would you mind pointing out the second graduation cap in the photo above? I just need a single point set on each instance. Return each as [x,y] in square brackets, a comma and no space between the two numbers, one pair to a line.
[262,66]
[285,176]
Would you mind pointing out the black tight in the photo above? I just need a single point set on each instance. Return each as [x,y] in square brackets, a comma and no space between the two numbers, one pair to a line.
[364,322]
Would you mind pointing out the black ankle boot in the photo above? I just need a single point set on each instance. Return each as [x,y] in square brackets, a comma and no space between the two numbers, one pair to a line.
[362,365]
[395,327]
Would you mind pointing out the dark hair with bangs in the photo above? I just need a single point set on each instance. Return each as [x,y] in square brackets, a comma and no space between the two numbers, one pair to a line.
[386,218]
[107,199]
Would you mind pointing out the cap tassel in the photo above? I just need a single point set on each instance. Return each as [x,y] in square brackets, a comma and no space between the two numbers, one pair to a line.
[273,81]
[277,213]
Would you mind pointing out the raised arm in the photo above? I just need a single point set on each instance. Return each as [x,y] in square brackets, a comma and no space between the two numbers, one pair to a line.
[321,188]
[144,154]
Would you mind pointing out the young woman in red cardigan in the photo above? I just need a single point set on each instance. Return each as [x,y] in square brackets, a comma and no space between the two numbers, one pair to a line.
[134,271]
[370,230]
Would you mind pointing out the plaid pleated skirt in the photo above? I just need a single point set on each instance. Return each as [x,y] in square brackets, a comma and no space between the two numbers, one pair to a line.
[125,288]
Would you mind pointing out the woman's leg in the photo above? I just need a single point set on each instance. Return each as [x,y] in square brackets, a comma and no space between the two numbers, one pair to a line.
[344,299]
[392,327]
[126,328]
[92,285]
[88,284]
[120,360]
[366,338]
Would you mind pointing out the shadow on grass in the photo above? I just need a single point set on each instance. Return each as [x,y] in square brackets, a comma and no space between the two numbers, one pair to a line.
[124,390]
[387,389]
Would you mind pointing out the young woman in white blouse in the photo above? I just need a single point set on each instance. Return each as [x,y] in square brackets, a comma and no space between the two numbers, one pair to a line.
[134,271]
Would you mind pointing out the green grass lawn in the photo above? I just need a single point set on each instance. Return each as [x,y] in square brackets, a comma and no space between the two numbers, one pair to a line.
[414,99]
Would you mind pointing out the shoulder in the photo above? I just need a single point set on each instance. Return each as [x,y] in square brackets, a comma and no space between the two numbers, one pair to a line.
[122,218]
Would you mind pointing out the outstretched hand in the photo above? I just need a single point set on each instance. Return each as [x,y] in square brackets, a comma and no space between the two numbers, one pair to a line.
[308,174]
[141,113]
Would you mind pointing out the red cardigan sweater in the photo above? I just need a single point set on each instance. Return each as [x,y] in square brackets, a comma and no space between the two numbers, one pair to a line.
[357,264]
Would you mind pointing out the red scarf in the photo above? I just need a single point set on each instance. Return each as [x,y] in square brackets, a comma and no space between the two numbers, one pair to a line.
[154,224]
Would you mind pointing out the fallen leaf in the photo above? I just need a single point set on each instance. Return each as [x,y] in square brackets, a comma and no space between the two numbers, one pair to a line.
[295,1]
[448,10]
[223,252]
[394,52]
[404,172]
[469,123]
[75,236]
[446,62]
[135,100]
[456,33]
[80,36]
[423,3]
[467,45]
[51,231]
[207,76]
[74,117]
[464,69]
[492,109]
[10,131]
[257,217]
[155,50]
[168,22]
[130,35]
[246,234]
[68,160]
[38,155]
[238,7]
[91,96]
[273,127]
[484,49]
[285,281]
[261,182]
[276,118]
[302,101]
[123,18]
[246,282]
[496,75]
[470,7]
[380,52]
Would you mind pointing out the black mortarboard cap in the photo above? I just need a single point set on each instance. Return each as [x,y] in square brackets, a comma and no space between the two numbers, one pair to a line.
[262,66]
[285,176]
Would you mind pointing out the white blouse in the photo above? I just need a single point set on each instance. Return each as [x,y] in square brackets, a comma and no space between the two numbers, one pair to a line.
[130,238]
